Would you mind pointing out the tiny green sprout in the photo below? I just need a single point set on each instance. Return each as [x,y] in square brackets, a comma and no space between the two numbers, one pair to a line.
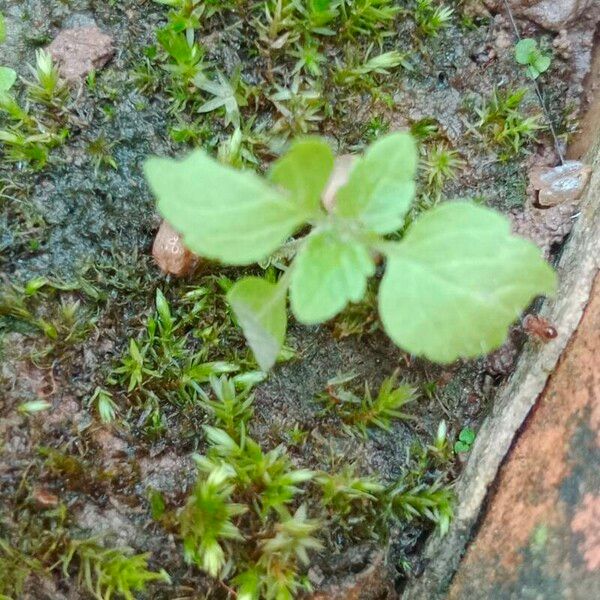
[231,408]
[502,120]
[134,366]
[157,504]
[528,53]
[207,521]
[226,94]
[441,164]
[48,87]
[2,29]
[466,437]
[434,502]
[368,17]
[34,406]
[110,572]
[100,151]
[8,104]
[432,19]
[309,59]
[344,489]
[282,554]
[296,435]
[440,450]
[90,80]
[33,286]
[381,64]
[359,413]
[424,129]
[436,298]
[105,405]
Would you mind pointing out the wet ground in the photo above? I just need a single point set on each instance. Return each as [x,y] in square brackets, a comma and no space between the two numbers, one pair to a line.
[87,227]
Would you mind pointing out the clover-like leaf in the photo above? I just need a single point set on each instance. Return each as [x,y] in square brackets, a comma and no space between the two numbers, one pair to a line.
[381,186]
[456,282]
[260,307]
[304,171]
[528,53]
[225,214]
[329,271]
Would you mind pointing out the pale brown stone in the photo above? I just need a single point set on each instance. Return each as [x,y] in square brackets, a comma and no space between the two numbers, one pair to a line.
[170,253]
[80,50]
[560,184]
[550,14]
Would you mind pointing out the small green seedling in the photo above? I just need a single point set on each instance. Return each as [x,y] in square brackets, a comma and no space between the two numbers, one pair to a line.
[431,19]
[8,77]
[528,53]
[452,286]
[466,437]
[105,405]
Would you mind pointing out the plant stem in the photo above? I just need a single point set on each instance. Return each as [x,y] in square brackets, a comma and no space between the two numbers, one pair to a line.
[538,91]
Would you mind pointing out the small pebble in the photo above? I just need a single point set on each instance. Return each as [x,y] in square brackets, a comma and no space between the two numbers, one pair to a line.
[170,254]
[563,183]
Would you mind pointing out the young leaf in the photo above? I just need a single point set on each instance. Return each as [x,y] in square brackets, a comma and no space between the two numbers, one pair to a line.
[457,281]
[2,29]
[224,214]
[260,307]
[381,186]
[34,406]
[540,65]
[525,50]
[328,273]
[304,171]
[7,79]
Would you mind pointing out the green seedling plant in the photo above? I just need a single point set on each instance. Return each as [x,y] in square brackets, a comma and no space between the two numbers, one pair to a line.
[453,283]
[528,54]
[160,360]
[207,520]
[368,17]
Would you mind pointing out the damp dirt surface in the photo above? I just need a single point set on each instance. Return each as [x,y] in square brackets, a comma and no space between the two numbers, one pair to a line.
[86,226]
